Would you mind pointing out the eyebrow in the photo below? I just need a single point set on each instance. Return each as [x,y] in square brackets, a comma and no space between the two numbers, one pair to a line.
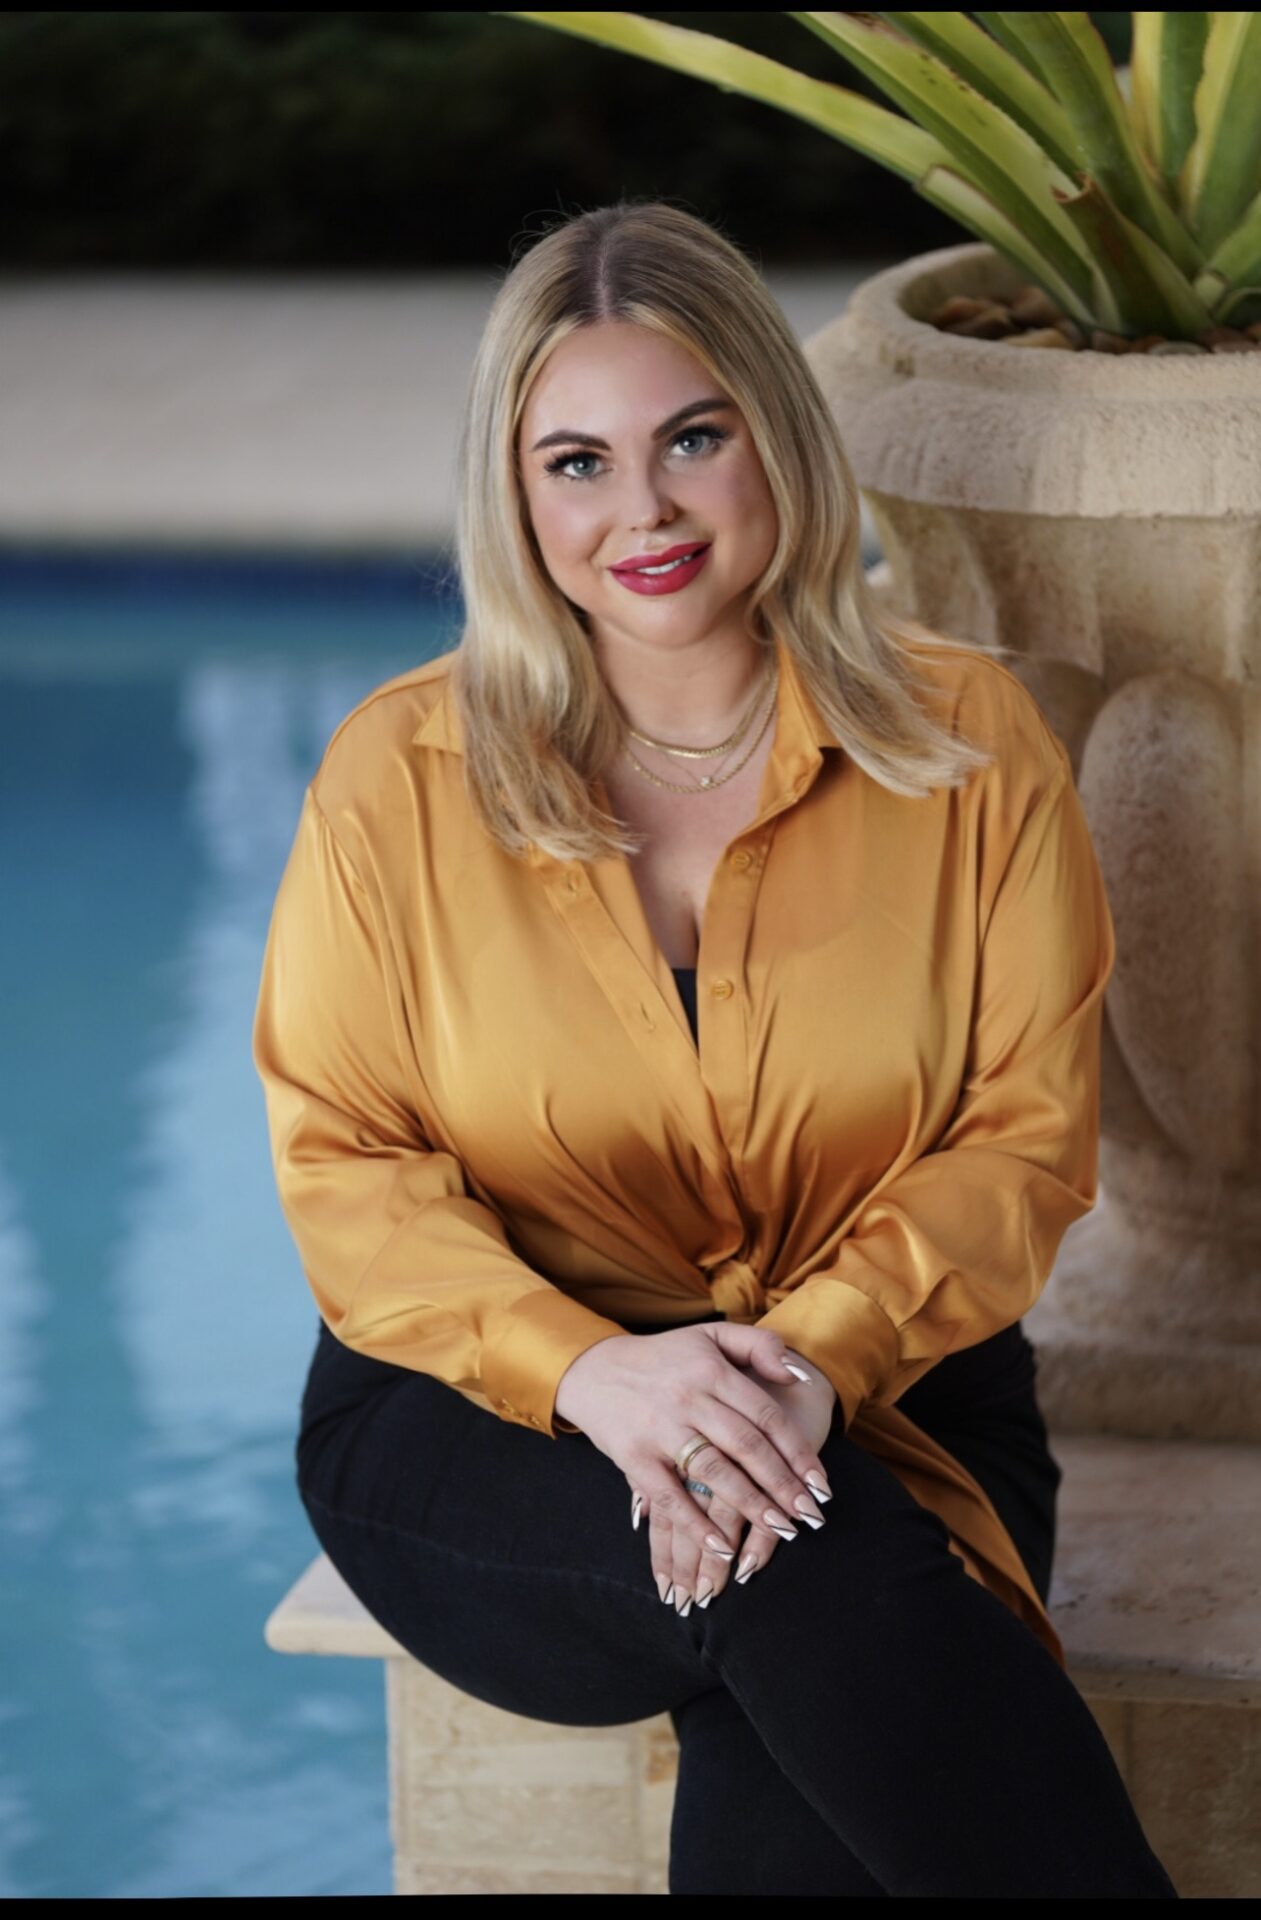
[564,436]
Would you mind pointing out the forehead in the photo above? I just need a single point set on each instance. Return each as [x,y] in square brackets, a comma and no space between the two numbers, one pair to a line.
[611,376]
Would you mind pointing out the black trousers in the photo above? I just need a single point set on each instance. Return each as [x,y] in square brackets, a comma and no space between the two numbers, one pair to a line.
[861,1718]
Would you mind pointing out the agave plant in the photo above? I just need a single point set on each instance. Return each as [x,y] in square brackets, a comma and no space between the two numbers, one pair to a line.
[1132,198]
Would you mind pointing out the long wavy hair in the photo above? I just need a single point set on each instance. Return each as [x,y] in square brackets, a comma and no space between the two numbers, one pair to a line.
[538,719]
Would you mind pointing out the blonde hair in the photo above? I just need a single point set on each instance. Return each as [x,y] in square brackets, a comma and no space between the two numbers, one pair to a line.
[538,719]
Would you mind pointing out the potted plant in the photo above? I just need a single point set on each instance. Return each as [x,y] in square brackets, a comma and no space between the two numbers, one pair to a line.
[1093,500]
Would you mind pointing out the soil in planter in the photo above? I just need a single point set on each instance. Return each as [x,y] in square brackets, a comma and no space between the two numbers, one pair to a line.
[1031,318]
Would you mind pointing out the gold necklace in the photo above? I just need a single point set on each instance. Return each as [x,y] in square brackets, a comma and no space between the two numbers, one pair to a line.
[708,781]
[705,753]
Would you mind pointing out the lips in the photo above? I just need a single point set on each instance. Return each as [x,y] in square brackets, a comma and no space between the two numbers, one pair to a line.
[661,573]
[642,562]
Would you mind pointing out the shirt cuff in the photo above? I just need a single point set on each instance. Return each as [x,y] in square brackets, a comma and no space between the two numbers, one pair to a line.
[527,1349]
[849,1338]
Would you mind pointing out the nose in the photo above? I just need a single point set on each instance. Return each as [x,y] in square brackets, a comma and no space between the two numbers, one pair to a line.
[646,500]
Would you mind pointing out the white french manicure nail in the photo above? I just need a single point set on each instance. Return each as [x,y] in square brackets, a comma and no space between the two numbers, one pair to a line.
[714,1545]
[748,1566]
[797,1370]
[702,1604]
[637,1507]
[669,1594]
[684,1611]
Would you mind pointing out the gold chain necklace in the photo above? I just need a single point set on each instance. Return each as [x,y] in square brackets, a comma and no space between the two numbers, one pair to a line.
[708,781]
[706,753]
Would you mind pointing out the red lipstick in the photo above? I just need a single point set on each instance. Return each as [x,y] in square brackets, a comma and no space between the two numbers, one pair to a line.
[682,564]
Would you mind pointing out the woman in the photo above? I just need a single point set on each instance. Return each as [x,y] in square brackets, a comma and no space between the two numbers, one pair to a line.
[680,1034]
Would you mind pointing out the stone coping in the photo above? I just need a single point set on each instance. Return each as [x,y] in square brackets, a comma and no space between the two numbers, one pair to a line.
[271,412]
[1157,1584]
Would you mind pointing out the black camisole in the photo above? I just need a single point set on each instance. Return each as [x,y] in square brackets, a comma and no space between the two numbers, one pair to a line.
[686,978]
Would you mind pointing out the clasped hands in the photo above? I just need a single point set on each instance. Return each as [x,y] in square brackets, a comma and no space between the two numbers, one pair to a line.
[640,1398]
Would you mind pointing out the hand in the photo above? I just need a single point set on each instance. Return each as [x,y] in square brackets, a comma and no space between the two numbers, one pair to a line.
[811,1406]
[642,1397]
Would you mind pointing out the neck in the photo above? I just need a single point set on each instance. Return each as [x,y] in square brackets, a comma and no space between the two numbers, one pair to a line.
[691,696]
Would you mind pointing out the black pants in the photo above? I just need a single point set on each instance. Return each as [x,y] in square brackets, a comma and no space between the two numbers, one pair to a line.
[862,1718]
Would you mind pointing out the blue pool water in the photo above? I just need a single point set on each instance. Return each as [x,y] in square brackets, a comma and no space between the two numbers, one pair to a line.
[158,724]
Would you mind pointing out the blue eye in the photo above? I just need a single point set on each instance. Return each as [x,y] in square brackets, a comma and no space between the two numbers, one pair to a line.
[708,436]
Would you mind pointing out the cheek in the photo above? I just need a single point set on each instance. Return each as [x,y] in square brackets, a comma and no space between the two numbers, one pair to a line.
[741,500]
[564,524]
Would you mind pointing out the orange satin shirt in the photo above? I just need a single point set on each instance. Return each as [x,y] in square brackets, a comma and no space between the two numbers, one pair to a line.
[496,1142]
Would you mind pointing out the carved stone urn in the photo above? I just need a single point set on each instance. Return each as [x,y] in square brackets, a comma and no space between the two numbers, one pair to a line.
[1102,514]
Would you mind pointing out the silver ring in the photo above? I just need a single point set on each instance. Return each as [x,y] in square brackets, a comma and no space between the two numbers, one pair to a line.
[698,1486]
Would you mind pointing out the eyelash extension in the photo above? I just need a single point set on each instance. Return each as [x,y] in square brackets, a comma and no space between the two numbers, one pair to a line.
[555,467]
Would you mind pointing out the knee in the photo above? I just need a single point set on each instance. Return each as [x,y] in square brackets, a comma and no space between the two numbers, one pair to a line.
[880,1560]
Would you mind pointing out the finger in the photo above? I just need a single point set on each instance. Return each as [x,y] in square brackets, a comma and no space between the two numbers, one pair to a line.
[687,1560]
[661,1554]
[749,1473]
[681,1514]
[762,1410]
[715,1570]
[693,1569]
[771,1448]
[675,1564]
[756,1551]
[759,1348]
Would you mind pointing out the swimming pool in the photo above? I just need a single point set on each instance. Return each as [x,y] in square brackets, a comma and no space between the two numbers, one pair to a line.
[159,720]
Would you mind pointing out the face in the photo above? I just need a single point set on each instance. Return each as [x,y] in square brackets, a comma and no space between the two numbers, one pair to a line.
[630,451]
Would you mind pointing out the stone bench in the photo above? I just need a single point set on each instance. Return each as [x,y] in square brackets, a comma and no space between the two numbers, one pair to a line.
[1156,1597]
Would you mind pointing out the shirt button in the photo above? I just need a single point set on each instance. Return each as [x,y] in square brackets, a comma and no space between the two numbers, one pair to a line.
[741,859]
[722,989]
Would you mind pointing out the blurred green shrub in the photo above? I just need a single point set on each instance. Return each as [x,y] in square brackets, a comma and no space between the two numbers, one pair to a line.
[400,140]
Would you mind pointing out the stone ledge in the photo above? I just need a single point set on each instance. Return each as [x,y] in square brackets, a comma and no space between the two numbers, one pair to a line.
[320,1614]
[1156,1596]
[1156,1590]
[1158,1558]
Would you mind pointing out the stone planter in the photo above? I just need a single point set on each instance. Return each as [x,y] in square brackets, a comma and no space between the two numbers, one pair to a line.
[1103,515]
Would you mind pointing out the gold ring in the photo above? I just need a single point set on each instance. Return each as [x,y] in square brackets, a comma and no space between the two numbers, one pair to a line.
[687,1453]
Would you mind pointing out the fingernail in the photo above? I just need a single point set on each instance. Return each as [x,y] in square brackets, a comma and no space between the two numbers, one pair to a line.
[687,1606]
[748,1567]
[805,1506]
[822,1490]
[779,1524]
[797,1370]
[637,1507]
[705,1593]
[668,1595]
[714,1545]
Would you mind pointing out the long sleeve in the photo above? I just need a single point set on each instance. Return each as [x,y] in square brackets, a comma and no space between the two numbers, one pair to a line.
[404,1264]
[959,1243]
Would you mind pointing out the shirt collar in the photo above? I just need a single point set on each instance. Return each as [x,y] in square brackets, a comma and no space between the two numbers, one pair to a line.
[802,727]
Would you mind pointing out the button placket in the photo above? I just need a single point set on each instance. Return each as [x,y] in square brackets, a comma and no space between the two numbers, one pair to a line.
[599,933]
[723,1013]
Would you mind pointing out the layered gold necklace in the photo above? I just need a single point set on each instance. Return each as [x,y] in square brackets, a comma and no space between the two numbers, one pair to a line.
[708,781]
